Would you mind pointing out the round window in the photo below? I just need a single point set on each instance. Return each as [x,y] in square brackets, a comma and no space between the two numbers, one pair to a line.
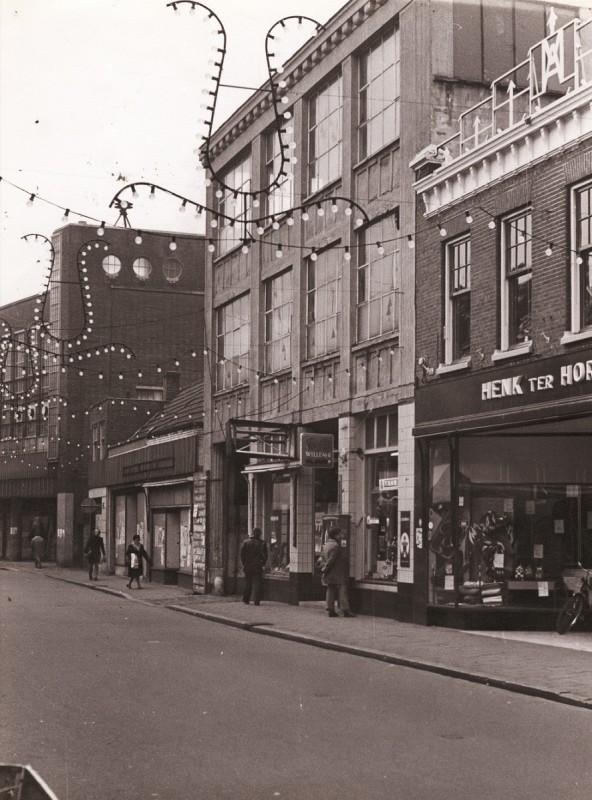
[111,266]
[172,269]
[142,268]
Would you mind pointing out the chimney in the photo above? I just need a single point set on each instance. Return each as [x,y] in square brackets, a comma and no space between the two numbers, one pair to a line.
[171,385]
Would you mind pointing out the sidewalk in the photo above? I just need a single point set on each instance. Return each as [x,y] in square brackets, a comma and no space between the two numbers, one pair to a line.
[539,664]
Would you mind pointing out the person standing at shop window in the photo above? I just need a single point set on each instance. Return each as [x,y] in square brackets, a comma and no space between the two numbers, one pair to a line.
[253,554]
[334,572]
[133,559]
[95,552]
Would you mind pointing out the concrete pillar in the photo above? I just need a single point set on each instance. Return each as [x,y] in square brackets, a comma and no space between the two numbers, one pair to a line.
[14,547]
[65,529]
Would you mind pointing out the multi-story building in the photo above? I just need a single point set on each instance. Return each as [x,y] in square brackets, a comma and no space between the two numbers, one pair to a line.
[122,313]
[504,340]
[310,312]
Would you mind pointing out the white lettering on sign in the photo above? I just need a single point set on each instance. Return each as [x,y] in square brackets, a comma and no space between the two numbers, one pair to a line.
[540,383]
[505,387]
[569,375]
[576,373]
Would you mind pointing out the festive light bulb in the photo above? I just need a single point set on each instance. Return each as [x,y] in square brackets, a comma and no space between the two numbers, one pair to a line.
[491,224]
[441,229]
[468,217]
[347,254]
[410,242]
[138,239]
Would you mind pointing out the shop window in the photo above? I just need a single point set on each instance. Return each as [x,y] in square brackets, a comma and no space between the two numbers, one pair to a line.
[581,266]
[517,523]
[232,342]
[378,278]
[324,135]
[111,266]
[516,287]
[234,205]
[323,303]
[379,91]
[280,197]
[142,268]
[458,306]
[380,552]
[278,533]
[278,322]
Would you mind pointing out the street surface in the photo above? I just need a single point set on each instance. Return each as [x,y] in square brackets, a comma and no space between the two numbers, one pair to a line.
[111,698]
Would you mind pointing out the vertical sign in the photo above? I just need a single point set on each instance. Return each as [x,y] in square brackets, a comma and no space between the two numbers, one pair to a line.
[405,540]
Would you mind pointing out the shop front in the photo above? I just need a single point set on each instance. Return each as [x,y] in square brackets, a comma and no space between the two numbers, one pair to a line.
[506,504]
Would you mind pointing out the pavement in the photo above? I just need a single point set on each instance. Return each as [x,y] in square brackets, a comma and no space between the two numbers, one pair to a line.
[539,664]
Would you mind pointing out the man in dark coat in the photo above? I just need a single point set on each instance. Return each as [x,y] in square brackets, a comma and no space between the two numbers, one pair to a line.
[334,571]
[95,551]
[253,554]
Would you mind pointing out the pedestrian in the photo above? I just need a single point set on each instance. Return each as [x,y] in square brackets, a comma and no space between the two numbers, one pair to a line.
[38,547]
[334,571]
[253,554]
[133,559]
[95,552]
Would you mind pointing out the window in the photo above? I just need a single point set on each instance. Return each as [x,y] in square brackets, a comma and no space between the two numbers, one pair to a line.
[111,266]
[378,271]
[322,303]
[458,292]
[382,472]
[172,269]
[142,267]
[324,136]
[281,196]
[278,322]
[98,439]
[234,205]
[379,91]
[382,432]
[516,280]
[582,259]
[232,342]
[149,392]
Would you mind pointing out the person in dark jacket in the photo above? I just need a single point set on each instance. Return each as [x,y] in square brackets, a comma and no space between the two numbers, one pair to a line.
[253,554]
[38,547]
[95,551]
[334,571]
[133,559]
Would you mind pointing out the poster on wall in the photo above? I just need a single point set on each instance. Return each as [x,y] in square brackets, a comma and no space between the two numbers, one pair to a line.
[405,540]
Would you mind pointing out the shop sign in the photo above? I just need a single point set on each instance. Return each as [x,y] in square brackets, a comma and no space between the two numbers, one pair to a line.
[519,385]
[405,540]
[316,449]
[388,484]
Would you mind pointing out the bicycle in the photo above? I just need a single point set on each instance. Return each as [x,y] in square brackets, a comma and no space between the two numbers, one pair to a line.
[574,607]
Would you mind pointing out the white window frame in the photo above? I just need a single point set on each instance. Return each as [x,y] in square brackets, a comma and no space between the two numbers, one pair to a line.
[280,198]
[449,325]
[317,318]
[278,332]
[238,208]
[506,346]
[370,92]
[316,180]
[233,344]
[371,237]
[577,330]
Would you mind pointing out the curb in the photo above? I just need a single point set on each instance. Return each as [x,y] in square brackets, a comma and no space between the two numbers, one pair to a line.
[426,666]
[104,589]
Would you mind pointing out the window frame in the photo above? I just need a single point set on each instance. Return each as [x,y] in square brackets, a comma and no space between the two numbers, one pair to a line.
[315,323]
[509,275]
[234,177]
[365,150]
[231,368]
[273,363]
[314,181]
[277,201]
[580,253]
[365,268]
[451,343]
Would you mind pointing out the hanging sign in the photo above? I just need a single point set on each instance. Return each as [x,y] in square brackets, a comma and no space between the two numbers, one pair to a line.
[316,450]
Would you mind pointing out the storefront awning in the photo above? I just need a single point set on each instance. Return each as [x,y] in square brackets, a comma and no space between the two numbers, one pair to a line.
[271,466]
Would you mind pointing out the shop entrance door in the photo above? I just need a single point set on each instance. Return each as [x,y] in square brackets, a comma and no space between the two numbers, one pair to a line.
[166,533]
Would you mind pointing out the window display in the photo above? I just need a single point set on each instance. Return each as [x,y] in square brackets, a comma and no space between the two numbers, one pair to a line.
[519,518]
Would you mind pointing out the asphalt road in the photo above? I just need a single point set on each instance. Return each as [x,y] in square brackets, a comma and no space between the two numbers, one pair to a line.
[110,698]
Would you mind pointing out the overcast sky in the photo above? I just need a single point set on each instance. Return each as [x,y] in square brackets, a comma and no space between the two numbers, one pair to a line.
[97,93]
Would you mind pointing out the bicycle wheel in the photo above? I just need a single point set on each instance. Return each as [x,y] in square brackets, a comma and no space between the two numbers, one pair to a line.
[569,614]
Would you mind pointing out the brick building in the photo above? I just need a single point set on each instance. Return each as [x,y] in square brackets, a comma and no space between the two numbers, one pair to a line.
[122,316]
[310,313]
[504,337]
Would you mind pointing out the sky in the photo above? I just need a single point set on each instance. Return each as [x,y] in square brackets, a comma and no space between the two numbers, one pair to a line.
[95,94]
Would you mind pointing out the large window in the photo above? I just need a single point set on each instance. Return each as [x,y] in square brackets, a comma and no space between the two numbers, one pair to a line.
[516,280]
[378,276]
[234,205]
[582,258]
[324,136]
[278,322]
[323,303]
[281,196]
[381,462]
[232,342]
[379,90]
[458,291]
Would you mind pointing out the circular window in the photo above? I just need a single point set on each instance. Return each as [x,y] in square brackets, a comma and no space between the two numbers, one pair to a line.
[112,266]
[172,269]
[142,268]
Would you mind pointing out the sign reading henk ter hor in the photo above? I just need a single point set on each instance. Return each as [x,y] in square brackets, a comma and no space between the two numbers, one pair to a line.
[567,375]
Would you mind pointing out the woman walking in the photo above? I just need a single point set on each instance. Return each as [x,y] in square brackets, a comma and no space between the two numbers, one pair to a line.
[133,558]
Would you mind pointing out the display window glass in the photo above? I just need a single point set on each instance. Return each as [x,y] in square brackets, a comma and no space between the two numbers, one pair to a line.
[278,534]
[380,551]
[517,523]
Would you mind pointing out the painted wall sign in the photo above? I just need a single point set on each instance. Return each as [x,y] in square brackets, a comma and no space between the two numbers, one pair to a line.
[518,385]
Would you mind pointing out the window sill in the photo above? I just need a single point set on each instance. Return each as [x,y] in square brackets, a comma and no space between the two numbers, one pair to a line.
[457,366]
[384,338]
[573,338]
[325,193]
[514,352]
[313,362]
[394,144]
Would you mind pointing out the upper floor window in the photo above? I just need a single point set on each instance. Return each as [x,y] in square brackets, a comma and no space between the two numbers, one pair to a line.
[516,291]
[458,305]
[581,270]
[232,342]
[323,303]
[234,205]
[112,266]
[99,450]
[172,269]
[278,322]
[378,276]
[281,196]
[142,268]
[324,136]
[379,89]
[149,392]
